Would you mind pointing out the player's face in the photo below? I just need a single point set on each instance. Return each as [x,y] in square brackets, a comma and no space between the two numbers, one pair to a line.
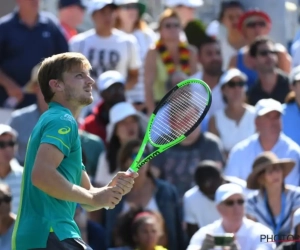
[104,17]
[31,5]
[7,149]
[78,86]
[128,129]
[231,18]
[170,29]
[255,26]
[147,234]
[232,208]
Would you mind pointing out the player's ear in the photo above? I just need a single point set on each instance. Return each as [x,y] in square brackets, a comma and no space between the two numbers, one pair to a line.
[56,85]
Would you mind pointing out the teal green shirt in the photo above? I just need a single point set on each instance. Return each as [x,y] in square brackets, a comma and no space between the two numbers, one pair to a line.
[40,213]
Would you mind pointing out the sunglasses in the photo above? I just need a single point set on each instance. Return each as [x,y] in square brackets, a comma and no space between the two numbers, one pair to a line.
[256,24]
[171,25]
[266,52]
[233,84]
[5,144]
[230,203]
[5,199]
[129,6]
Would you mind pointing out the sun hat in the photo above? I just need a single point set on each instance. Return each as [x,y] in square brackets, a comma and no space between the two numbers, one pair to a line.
[142,7]
[108,78]
[230,74]
[263,161]
[6,129]
[94,5]
[265,106]
[226,190]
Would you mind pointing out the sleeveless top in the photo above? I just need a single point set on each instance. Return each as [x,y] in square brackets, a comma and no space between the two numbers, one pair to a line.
[238,132]
[251,74]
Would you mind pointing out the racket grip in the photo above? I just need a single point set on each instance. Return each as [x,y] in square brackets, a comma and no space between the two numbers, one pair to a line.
[128,171]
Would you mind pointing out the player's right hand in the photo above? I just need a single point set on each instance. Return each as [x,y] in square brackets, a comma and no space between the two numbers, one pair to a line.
[106,196]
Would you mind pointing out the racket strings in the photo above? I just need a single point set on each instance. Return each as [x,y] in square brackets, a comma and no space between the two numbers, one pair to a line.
[179,113]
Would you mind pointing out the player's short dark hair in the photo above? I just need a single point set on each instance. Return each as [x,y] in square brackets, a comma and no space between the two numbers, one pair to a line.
[207,40]
[227,5]
[52,68]
[257,42]
[204,169]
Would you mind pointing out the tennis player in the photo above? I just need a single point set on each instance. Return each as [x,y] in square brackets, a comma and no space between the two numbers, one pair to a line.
[54,178]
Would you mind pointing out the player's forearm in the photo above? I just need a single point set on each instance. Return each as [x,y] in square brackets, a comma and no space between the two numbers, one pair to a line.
[54,184]
[90,208]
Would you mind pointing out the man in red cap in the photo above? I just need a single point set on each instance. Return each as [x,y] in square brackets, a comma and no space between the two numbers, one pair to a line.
[254,23]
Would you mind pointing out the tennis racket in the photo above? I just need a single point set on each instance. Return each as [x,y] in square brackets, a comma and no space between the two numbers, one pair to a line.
[176,116]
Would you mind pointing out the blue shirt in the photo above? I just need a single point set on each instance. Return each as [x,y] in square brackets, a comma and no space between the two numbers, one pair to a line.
[243,154]
[291,121]
[23,47]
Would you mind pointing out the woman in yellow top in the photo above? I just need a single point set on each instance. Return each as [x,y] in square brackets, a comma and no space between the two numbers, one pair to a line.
[140,229]
[168,61]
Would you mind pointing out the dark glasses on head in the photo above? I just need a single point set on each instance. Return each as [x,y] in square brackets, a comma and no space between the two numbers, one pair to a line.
[171,25]
[233,84]
[266,52]
[231,203]
[129,6]
[5,199]
[5,144]
[256,24]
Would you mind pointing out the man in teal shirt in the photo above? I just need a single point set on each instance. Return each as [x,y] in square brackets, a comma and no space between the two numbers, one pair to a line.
[54,178]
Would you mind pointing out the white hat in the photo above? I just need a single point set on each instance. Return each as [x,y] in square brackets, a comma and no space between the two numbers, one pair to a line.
[265,106]
[7,129]
[227,190]
[123,2]
[187,3]
[94,5]
[117,113]
[230,74]
[295,74]
[108,78]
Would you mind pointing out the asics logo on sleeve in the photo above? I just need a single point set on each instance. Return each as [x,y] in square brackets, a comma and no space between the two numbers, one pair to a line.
[64,131]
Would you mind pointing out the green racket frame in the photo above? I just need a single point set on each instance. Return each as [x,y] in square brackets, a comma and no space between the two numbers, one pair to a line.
[137,164]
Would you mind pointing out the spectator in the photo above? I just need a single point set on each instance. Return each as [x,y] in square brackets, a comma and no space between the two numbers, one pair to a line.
[209,56]
[208,177]
[23,120]
[254,23]
[230,204]
[269,137]
[291,115]
[129,20]
[91,232]
[275,202]
[26,37]
[231,40]
[170,59]
[177,165]
[7,218]
[107,48]
[238,117]
[10,171]
[149,193]
[139,229]
[110,85]
[271,82]
[70,13]
[125,124]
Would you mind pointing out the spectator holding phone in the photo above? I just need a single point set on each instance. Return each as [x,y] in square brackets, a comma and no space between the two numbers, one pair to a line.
[230,200]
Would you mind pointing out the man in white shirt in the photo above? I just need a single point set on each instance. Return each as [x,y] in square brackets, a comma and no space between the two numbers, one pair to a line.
[10,171]
[229,200]
[208,178]
[107,48]
[269,137]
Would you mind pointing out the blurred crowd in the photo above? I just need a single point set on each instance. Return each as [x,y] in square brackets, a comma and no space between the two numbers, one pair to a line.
[239,172]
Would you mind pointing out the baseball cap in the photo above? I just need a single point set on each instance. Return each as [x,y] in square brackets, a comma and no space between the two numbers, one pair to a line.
[29,87]
[265,106]
[295,74]
[108,78]
[141,6]
[95,5]
[5,129]
[254,12]
[227,190]
[187,3]
[230,74]
[66,3]
[117,113]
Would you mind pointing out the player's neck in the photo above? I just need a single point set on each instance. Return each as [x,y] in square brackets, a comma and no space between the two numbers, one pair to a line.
[230,226]
[103,32]
[75,109]
[6,222]
[127,27]
[28,18]
[5,169]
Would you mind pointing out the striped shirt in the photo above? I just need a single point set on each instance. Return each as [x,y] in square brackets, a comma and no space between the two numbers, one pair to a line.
[256,208]
[14,180]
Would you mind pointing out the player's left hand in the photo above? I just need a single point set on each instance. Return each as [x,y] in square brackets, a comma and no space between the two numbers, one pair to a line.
[124,181]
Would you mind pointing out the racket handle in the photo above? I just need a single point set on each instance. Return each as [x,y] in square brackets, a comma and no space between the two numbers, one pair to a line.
[128,171]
